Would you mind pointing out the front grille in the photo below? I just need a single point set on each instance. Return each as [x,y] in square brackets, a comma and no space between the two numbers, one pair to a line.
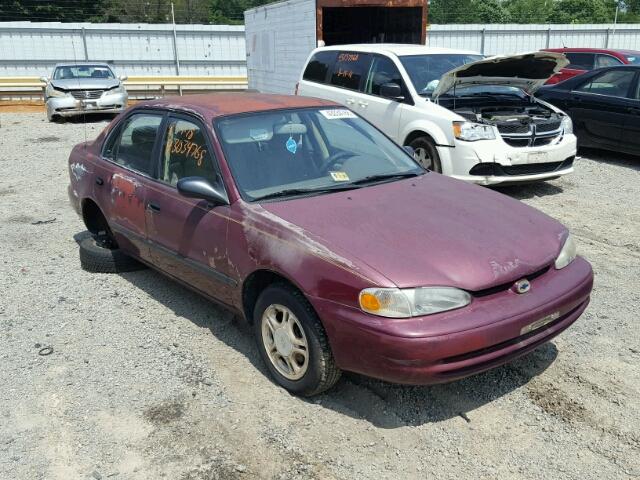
[548,126]
[86,94]
[516,142]
[507,286]
[513,128]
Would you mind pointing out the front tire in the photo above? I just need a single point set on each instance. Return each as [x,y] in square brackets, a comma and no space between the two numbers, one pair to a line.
[292,341]
[426,154]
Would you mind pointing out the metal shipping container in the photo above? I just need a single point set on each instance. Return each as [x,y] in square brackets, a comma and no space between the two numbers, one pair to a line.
[280,36]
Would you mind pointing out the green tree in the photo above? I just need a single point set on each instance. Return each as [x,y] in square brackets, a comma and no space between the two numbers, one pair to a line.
[583,11]
[530,11]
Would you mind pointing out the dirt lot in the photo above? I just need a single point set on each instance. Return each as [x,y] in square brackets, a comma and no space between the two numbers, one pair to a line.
[146,380]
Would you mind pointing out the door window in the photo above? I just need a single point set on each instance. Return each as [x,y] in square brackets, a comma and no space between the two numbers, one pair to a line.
[349,69]
[319,66]
[580,61]
[606,61]
[133,147]
[185,153]
[382,71]
[614,83]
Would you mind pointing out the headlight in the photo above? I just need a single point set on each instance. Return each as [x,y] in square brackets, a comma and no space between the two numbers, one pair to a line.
[567,254]
[412,302]
[52,92]
[472,132]
[567,124]
[118,89]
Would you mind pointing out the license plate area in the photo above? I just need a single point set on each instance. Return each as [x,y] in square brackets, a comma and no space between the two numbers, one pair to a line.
[539,323]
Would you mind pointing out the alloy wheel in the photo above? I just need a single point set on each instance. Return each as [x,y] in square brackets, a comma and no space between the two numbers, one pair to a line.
[285,342]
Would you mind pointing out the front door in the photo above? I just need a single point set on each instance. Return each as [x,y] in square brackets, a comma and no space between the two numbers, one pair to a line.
[383,112]
[188,236]
[599,107]
[123,182]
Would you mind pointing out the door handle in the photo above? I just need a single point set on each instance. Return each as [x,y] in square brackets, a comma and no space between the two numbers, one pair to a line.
[99,181]
[363,104]
[633,110]
[349,101]
[153,207]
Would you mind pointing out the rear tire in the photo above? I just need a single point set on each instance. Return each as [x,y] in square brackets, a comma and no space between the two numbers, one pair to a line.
[300,329]
[97,256]
[426,154]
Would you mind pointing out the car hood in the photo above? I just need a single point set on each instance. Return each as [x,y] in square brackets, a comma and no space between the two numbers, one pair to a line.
[430,230]
[528,71]
[86,83]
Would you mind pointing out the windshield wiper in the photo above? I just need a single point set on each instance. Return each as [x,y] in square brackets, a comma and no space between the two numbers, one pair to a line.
[292,192]
[385,176]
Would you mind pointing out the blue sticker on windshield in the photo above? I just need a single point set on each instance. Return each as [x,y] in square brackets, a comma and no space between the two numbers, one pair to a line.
[291,145]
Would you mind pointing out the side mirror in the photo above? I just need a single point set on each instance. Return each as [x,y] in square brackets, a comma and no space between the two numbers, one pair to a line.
[123,77]
[199,187]
[409,149]
[44,79]
[392,91]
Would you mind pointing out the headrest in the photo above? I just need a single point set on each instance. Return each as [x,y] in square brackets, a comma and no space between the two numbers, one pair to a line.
[145,134]
[247,130]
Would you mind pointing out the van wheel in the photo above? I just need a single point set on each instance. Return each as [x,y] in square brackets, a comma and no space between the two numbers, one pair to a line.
[99,255]
[426,154]
[292,341]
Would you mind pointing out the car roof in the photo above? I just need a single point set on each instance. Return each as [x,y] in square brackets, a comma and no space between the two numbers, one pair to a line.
[399,49]
[212,105]
[613,51]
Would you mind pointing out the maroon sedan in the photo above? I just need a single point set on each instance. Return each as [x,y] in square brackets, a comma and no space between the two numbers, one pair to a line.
[586,59]
[327,236]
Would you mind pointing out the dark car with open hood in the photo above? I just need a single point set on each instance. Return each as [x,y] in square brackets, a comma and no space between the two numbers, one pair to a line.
[340,250]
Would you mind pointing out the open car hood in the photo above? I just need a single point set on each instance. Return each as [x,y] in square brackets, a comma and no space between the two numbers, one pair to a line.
[528,71]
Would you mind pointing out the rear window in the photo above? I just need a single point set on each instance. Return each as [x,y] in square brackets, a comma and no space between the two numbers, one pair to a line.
[319,66]
[349,69]
[580,61]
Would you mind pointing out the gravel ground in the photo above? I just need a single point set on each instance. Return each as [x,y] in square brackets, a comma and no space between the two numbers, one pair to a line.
[147,380]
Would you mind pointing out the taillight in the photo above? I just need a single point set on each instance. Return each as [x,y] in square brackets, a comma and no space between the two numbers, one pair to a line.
[295,92]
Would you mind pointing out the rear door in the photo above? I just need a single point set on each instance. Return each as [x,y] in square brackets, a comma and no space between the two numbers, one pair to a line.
[383,112]
[599,107]
[122,186]
[188,237]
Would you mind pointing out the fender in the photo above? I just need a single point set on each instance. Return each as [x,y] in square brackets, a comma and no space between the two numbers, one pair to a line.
[430,128]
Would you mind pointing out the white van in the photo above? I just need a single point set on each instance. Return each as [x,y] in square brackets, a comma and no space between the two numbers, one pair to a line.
[464,115]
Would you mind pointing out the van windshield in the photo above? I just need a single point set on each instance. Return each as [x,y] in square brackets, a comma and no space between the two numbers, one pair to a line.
[308,151]
[425,71]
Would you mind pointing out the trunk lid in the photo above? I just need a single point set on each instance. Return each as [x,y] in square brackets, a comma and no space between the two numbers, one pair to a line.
[528,71]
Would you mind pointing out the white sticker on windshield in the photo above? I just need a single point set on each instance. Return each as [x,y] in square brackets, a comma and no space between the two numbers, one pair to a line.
[338,113]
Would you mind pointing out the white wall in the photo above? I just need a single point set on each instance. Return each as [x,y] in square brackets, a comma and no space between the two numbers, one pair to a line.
[280,37]
[136,49]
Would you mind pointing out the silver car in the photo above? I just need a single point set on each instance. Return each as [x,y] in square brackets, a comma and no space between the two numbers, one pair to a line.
[81,88]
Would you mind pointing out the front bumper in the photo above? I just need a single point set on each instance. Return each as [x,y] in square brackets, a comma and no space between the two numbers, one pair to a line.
[68,106]
[439,348]
[513,164]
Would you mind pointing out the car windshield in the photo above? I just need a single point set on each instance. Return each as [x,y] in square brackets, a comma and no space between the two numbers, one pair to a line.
[82,71]
[425,70]
[308,151]
[633,59]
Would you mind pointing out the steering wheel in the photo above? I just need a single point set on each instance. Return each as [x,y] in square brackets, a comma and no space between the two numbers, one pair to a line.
[335,158]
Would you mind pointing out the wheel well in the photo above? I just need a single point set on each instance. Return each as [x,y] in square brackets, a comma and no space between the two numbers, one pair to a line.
[254,285]
[93,217]
[416,134]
